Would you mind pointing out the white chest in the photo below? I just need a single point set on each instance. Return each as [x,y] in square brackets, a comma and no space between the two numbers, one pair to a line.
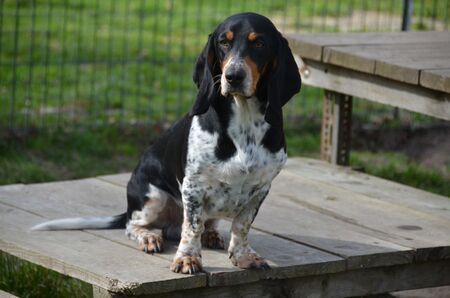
[229,185]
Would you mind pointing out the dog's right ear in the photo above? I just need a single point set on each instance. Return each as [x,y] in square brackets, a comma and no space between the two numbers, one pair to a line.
[203,78]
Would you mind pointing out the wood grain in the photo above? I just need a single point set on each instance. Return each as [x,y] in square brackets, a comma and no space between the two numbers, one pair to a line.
[371,186]
[438,79]
[401,62]
[311,46]
[382,90]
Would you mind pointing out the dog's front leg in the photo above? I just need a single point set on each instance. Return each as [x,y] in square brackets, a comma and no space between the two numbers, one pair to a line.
[188,258]
[240,251]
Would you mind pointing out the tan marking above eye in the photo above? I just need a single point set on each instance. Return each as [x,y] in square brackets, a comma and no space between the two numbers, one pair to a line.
[229,35]
[252,36]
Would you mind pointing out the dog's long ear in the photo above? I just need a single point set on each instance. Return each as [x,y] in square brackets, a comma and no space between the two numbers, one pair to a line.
[203,78]
[284,82]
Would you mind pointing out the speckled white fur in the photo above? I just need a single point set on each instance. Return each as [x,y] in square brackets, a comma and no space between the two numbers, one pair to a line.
[248,80]
[227,189]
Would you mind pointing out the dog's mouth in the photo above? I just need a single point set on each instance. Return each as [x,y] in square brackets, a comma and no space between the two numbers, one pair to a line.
[239,94]
[227,89]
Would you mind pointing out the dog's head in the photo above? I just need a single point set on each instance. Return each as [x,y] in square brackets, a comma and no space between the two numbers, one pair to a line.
[246,56]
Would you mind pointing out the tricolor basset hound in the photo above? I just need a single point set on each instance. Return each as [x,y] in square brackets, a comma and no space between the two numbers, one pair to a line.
[220,159]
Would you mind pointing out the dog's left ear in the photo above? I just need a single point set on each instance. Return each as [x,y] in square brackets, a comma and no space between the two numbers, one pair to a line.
[203,78]
[284,82]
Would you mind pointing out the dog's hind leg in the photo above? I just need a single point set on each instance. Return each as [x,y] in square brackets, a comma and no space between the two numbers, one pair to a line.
[148,240]
[143,226]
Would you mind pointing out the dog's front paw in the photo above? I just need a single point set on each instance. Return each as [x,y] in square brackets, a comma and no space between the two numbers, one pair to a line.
[150,243]
[249,261]
[212,239]
[186,264]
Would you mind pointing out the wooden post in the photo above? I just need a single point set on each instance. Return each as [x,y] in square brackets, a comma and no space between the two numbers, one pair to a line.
[336,128]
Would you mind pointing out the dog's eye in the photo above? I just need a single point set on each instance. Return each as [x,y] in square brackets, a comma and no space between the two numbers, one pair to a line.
[258,44]
[224,44]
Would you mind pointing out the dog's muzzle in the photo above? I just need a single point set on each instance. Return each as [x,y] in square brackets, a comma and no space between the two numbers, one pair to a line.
[236,79]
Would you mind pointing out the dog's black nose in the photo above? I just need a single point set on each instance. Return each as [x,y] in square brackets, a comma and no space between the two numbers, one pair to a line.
[234,76]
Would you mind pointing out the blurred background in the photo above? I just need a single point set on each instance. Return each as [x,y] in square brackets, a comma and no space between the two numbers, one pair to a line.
[86,85]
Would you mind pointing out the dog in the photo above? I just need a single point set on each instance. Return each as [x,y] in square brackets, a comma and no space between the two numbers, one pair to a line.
[220,159]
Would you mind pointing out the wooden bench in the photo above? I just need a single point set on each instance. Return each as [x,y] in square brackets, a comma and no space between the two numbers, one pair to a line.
[408,70]
[327,231]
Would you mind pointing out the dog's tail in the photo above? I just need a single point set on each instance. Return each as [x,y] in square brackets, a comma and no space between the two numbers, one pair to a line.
[81,223]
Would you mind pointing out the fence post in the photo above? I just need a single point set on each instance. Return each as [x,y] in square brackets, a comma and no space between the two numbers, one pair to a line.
[407,14]
[408,10]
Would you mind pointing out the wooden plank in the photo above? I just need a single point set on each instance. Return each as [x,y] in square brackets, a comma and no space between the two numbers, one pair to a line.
[311,46]
[371,186]
[360,247]
[4,294]
[87,257]
[77,197]
[401,62]
[117,179]
[408,70]
[438,79]
[288,259]
[401,225]
[353,283]
[352,57]
[378,89]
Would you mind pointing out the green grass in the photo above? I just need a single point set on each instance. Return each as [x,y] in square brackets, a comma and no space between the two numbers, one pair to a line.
[397,167]
[67,154]
[36,281]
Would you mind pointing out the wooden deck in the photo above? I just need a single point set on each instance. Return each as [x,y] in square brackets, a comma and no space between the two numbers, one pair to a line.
[327,231]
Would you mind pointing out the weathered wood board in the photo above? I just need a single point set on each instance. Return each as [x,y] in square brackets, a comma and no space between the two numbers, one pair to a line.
[320,224]
[311,45]
[438,79]
[371,186]
[402,62]
[376,88]
[6,295]
[416,58]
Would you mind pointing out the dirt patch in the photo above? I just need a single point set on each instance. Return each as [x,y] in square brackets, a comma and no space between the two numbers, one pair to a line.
[428,146]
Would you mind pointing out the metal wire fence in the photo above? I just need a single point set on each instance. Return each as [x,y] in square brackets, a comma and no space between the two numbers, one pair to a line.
[70,63]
